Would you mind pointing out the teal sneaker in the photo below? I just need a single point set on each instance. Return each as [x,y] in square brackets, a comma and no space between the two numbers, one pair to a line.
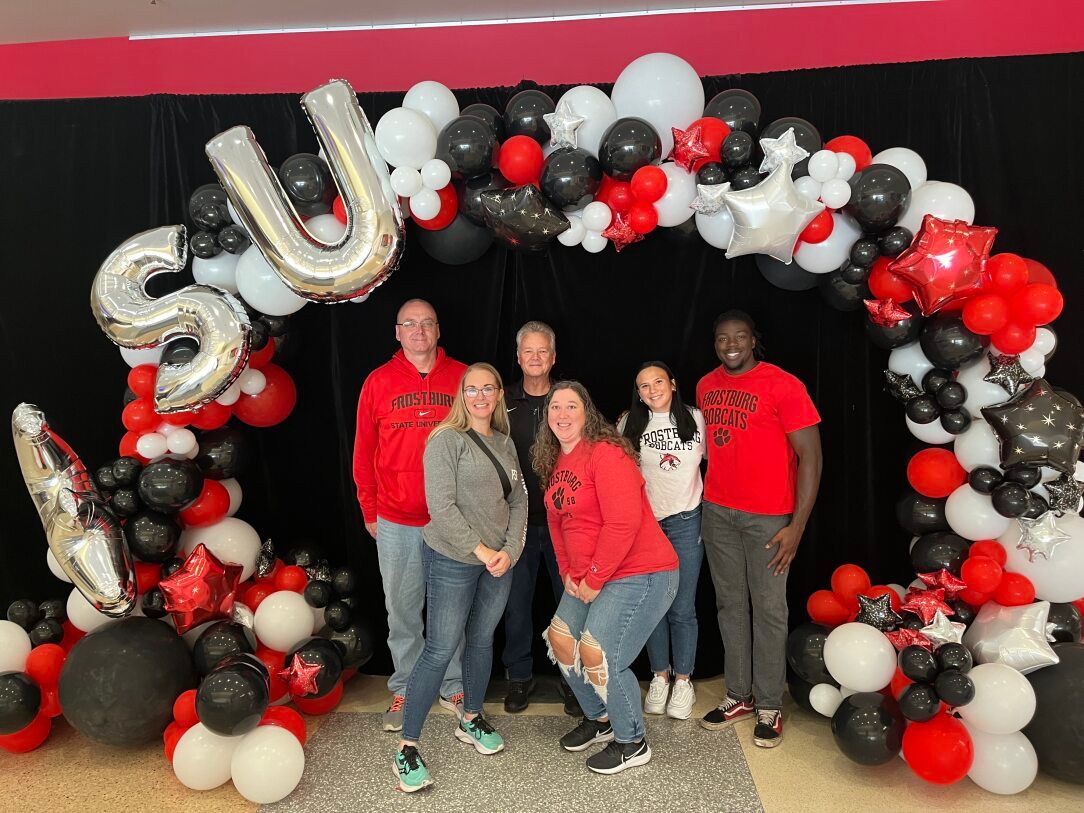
[410,770]
[480,734]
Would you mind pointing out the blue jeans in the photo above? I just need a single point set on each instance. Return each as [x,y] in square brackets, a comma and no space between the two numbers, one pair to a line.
[461,599]
[620,620]
[519,631]
[678,629]
[399,552]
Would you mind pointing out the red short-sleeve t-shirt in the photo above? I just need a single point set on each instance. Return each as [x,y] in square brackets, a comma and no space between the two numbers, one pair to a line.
[751,465]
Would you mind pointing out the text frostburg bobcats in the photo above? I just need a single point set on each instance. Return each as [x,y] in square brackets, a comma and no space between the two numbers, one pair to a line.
[728,407]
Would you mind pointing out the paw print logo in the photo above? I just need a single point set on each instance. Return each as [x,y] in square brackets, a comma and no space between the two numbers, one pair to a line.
[559,498]
[721,437]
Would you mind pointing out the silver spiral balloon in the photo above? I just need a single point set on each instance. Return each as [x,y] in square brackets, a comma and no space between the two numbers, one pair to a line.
[372,245]
[131,318]
[85,537]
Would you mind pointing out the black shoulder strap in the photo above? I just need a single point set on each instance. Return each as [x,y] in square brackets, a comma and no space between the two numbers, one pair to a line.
[505,484]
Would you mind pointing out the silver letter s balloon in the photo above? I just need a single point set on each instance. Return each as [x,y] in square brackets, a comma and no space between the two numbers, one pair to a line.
[369,250]
[131,318]
[85,537]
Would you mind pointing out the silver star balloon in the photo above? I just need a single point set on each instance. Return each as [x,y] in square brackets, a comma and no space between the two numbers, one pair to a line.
[563,124]
[769,217]
[1007,373]
[902,387]
[1040,536]
[1064,493]
[943,631]
[265,559]
[1014,636]
[709,198]
[782,150]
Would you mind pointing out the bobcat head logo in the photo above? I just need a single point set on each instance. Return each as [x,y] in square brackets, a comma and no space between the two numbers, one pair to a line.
[669,462]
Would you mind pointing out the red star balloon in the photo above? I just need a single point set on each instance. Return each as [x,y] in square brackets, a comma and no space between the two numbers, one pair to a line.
[946,261]
[688,147]
[620,232]
[942,578]
[300,676]
[903,638]
[202,589]
[885,312]
[926,603]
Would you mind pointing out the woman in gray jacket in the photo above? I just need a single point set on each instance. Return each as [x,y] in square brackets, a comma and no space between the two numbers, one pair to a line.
[478,516]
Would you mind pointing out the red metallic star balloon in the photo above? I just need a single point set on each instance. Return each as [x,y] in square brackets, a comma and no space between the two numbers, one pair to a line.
[202,589]
[688,147]
[946,261]
[926,603]
[885,312]
[942,578]
[300,676]
[620,232]
[903,638]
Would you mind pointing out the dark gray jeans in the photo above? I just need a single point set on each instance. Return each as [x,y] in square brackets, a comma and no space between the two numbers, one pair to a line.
[755,643]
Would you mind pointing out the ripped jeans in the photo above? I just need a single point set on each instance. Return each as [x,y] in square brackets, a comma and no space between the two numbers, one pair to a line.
[607,636]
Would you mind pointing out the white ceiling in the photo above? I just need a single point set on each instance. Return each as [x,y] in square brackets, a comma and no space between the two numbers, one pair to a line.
[44,20]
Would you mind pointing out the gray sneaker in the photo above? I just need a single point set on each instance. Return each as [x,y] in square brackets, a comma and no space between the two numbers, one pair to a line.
[393,717]
[454,703]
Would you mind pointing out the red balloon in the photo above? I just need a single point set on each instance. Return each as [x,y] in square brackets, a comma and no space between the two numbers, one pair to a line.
[854,147]
[620,198]
[939,750]
[127,447]
[209,507]
[643,218]
[141,379]
[273,660]
[320,705]
[981,573]
[819,228]
[604,188]
[449,206]
[1036,304]
[212,415]
[521,160]
[50,702]
[883,284]
[139,416]
[935,473]
[1079,604]
[270,577]
[72,634]
[43,664]
[147,574]
[1037,272]
[824,607]
[178,418]
[28,738]
[900,681]
[713,133]
[847,582]
[986,313]
[338,208]
[648,184]
[1007,273]
[260,358]
[286,717]
[1014,338]
[255,594]
[990,548]
[1014,590]
[170,737]
[274,403]
[973,597]
[883,590]
[292,578]
[184,709]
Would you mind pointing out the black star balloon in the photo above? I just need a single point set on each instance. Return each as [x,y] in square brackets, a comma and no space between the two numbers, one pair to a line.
[877,612]
[1064,493]
[902,387]
[1040,427]
[1007,372]
[265,560]
[522,217]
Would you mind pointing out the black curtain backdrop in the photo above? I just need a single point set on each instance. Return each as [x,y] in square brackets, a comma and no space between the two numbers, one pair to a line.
[79,177]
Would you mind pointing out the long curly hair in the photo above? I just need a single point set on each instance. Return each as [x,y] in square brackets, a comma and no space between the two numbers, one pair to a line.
[596,429]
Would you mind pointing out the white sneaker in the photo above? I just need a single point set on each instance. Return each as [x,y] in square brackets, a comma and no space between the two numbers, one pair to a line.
[656,695]
[682,700]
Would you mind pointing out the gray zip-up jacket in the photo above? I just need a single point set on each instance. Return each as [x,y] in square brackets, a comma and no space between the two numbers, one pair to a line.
[466,500]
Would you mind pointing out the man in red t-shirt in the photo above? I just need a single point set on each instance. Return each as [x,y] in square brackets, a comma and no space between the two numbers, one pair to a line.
[764,468]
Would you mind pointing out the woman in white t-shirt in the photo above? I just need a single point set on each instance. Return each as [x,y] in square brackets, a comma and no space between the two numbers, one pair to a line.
[670,438]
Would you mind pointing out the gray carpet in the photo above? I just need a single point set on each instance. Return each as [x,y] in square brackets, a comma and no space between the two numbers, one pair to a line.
[349,768]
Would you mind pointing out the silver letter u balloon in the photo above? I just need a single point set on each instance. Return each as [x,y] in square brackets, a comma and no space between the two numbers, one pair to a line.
[369,250]
[85,537]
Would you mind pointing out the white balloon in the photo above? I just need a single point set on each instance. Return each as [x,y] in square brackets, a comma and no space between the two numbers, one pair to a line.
[435,174]
[598,114]
[847,166]
[596,216]
[673,206]
[134,357]
[83,615]
[282,620]
[946,201]
[977,446]
[252,381]
[859,656]
[1045,341]
[573,235]
[230,539]
[829,254]
[835,193]
[898,589]
[14,646]
[1033,361]
[907,161]
[201,760]
[716,229]
[980,393]
[425,205]
[406,138]
[230,396]
[434,100]
[1059,578]
[182,441]
[933,432]
[267,765]
[807,187]
[593,242]
[972,515]
[152,445]
[846,691]
[406,181]
[54,566]
[662,89]
[166,429]
[823,165]
[220,270]
[264,289]
[1004,700]
[233,488]
[326,228]
[908,359]
[1004,763]
[825,698]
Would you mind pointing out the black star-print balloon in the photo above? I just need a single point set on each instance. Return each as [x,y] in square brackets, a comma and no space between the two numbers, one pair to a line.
[265,560]
[877,612]
[1064,493]
[1007,372]
[522,217]
[1040,427]
[902,387]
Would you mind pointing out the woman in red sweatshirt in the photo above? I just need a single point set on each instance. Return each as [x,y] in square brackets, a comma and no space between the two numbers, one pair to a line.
[619,570]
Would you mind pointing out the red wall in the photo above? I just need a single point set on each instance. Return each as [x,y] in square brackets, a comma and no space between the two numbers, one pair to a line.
[550,53]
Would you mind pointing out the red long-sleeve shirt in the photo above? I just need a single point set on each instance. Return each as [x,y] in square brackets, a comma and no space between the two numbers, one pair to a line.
[600,521]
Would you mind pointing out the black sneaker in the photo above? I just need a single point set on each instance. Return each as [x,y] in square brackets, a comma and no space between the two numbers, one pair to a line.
[586,734]
[768,731]
[728,712]
[518,693]
[572,705]
[617,756]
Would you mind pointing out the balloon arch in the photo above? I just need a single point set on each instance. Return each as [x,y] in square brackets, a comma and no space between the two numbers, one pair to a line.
[946,669]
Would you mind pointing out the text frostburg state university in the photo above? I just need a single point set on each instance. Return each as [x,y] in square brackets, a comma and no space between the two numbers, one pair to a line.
[411,399]
[728,407]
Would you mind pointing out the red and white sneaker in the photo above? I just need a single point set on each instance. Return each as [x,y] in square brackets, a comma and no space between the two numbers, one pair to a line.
[729,711]
[768,732]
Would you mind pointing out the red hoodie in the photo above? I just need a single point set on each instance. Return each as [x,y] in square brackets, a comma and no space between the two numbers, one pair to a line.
[600,521]
[397,410]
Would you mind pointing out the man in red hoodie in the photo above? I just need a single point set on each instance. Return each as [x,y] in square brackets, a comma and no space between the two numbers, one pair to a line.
[400,404]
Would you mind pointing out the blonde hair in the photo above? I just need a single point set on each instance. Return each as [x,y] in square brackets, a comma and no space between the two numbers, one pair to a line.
[459,419]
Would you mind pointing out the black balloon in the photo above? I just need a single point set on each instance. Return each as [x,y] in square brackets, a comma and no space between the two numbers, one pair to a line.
[917,664]
[104,478]
[489,115]
[458,243]
[344,581]
[865,252]
[903,332]
[840,294]
[893,242]
[923,409]
[737,150]
[24,612]
[939,550]
[919,702]
[307,180]
[788,277]
[868,728]
[153,603]
[522,218]
[570,178]
[258,336]
[171,567]
[233,239]
[739,108]
[118,684]
[935,379]
[1037,506]
[466,145]
[523,115]
[337,615]
[984,479]
[805,653]
[628,144]
[276,325]
[952,395]
[323,653]
[744,178]
[126,471]
[204,245]
[470,192]
[318,593]
[947,343]
[955,421]
[125,502]
[962,612]
[355,643]
[169,485]
[1063,622]
[207,207]
[1055,728]
[854,274]
[231,700]
[46,631]
[223,453]
[879,194]
[711,174]
[20,701]
[55,608]
[921,515]
[1011,500]
[799,691]
[954,688]
[218,642]
[152,536]
[805,134]
[1027,476]
[954,656]
[180,351]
